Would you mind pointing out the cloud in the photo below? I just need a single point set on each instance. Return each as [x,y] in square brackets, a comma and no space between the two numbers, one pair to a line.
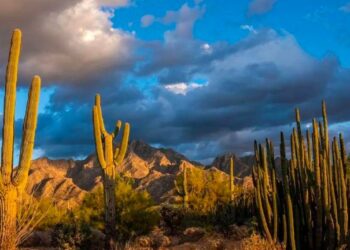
[253,87]
[207,49]
[147,20]
[250,28]
[115,3]
[182,88]
[200,97]
[257,7]
[184,19]
[67,41]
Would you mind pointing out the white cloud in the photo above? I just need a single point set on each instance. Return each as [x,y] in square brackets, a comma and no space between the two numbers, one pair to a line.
[67,40]
[250,28]
[269,53]
[115,3]
[182,88]
[206,48]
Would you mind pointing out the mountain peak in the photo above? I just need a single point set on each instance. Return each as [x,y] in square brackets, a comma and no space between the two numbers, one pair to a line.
[242,167]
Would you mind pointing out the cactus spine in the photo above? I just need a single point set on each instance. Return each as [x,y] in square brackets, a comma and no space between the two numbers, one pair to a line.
[311,197]
[232,179]
[12,183]
[109,158]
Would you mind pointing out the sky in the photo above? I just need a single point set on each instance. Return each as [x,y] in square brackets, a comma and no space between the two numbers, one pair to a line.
[203,77]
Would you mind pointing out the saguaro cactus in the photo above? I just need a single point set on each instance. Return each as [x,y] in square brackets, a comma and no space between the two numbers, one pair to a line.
[109,158]
[185,187]
[232,179]
[312,193]
[13,182]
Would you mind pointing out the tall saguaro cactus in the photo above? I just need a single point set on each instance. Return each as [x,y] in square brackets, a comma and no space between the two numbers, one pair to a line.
[311,195]
[185,187]
[232,179]
[109,158]
[13,182]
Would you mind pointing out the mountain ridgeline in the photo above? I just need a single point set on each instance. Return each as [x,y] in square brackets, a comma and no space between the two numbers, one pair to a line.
[152,169]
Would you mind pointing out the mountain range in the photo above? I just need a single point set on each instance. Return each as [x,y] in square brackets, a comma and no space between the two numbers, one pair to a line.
[153,169]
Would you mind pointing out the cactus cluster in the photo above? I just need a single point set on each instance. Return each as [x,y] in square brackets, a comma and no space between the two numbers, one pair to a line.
[307,207]
[109,157]
[13,182]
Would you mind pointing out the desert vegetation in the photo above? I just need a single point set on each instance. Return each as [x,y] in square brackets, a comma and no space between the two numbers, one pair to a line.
[298,199]
[109,157]
[307,207]
[13,182]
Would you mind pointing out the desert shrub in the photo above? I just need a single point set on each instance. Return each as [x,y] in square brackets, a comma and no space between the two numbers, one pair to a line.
[72,236]
[171,218]
[224,216]
[91,211]
[205,189]
[209,203]
[243,204]
[53,214]
[256,242]
[136,211]
[30,214]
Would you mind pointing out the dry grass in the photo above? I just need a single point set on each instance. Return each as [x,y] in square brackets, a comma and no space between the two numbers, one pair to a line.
[256,242]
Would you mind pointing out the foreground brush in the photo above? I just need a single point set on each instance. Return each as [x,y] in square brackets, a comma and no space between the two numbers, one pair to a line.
[109,158]
[307,207]
[13,182]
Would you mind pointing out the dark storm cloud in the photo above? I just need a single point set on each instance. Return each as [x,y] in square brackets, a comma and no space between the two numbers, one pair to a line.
[251,94]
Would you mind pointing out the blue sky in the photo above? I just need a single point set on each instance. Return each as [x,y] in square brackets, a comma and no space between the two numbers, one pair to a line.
[319,26]
[203,77]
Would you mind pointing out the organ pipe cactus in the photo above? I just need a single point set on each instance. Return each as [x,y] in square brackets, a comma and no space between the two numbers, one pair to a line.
[13,182]
[109,157]
[310,199]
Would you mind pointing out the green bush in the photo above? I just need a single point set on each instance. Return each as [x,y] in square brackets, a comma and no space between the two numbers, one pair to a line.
[209,200]
[53,215]
[136,211]
[205,189]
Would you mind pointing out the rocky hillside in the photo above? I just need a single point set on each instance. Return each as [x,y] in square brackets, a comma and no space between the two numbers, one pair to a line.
[154,169]
[242,165]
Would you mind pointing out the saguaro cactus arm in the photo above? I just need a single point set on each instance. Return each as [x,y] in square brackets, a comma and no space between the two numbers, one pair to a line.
[118,127]
[11,186]
[99,112]
[9,107]
[98,138]
[119,157]
[29,127]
